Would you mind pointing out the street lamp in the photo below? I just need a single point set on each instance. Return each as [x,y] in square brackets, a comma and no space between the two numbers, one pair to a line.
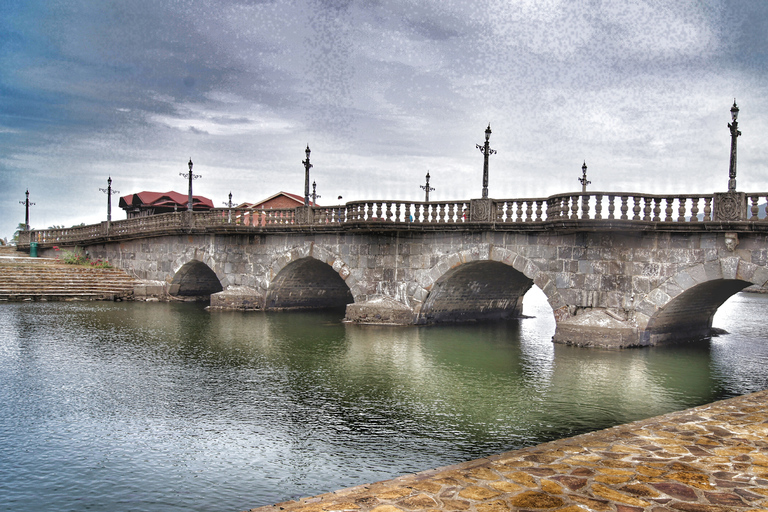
[26,216]
[109,193]
[229,204]
[307,167]
[486,150]
[315,195]
[734,127]
[191,177]
[426,188]
[584,181]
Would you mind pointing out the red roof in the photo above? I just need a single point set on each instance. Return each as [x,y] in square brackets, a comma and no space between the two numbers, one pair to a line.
[299,199]
[163,199]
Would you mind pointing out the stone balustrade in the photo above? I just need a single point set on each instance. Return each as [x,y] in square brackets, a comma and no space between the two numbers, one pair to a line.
[586,209]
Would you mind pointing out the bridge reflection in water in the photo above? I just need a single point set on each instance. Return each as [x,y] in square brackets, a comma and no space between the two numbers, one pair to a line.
[618,270]
[136,406]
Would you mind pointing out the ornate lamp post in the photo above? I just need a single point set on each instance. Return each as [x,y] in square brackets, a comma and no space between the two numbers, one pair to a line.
[109,193]
[229,205]
[426,188]
[307,167]
[191,177]
[584,181]
[486,150]
[27,204]
[734,127]
[315,195]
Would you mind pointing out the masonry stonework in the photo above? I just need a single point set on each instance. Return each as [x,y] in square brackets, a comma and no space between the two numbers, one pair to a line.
[610,288]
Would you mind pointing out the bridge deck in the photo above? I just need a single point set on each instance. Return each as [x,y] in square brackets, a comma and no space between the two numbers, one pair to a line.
[711,458]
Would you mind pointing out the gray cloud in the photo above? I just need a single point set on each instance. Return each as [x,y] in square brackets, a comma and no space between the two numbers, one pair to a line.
[382,92]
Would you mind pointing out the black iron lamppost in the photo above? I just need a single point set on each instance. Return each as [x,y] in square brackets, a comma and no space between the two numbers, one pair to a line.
[734,127]
[109,193]
[426,188]
[486,150]
[27,204]
[315,195]
[307,167]
[584,181]
[191,177]
[229,205]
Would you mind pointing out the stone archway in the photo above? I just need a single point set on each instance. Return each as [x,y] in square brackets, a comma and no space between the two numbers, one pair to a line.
[195,281]
[478,290]
[307,283]
[684,306]
[504,291]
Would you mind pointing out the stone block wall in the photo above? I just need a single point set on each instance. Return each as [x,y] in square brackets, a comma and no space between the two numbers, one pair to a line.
[629,277]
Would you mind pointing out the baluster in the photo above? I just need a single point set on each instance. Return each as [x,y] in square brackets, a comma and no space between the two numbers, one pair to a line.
[611,207]
[388,212]
[575,207]
[584,207]
[695,209]
[647,208]
[707,209]
[539,204]
[369,213]
[407,213]
[681,209]
[668,209]
[598,206]
[442,212]
[755,208]
[519,212]
[397,212]
[656,209]
[529,211]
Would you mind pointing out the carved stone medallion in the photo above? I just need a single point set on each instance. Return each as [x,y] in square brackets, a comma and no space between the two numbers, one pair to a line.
[730,206]
[480,210]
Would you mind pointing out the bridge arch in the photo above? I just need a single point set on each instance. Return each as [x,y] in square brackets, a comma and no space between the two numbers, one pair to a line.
[308,277]
[195,279]
[475,285]
[683,307]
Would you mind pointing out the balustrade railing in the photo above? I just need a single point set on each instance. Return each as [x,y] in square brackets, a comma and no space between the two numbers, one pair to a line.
[560,208]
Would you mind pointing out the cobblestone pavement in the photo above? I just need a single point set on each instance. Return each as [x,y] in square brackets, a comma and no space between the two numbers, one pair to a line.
[708,459]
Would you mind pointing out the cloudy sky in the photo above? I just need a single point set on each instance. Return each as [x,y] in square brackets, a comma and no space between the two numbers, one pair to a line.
[382,91]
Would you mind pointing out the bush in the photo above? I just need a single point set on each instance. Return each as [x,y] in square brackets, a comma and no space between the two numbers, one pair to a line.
[76,257]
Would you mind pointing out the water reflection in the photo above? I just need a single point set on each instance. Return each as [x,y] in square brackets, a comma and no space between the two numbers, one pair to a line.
[135,406]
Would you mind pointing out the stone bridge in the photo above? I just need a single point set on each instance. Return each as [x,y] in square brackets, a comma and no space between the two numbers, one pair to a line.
[618,270]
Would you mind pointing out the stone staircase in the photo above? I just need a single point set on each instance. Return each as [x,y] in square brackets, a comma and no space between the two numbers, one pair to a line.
[41,279]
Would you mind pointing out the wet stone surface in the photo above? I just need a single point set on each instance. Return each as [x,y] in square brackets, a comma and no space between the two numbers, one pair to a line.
[712,458]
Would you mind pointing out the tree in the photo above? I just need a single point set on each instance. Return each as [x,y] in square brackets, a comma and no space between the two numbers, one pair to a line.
[22,227]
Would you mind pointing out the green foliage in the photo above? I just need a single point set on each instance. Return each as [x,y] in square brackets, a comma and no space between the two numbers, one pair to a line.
[21,227]
[76,257]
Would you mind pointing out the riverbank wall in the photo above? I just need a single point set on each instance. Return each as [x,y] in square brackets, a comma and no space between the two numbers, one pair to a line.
[712,458]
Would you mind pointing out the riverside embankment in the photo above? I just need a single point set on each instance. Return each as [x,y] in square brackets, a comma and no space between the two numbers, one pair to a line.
[712,458]
[45,279]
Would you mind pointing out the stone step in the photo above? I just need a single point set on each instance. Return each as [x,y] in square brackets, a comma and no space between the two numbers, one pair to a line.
[41,279]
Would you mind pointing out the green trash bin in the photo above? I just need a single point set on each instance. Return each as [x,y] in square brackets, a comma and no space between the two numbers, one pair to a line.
[33,249]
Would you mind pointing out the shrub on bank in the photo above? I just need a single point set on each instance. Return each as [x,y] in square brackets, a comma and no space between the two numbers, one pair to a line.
[76,257]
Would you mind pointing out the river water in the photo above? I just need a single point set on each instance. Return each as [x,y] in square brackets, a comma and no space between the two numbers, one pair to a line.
[167,407]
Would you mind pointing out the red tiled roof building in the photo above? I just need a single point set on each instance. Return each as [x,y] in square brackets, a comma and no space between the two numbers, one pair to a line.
[146,203]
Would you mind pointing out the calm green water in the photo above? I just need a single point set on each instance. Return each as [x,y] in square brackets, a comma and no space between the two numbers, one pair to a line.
[155,407]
